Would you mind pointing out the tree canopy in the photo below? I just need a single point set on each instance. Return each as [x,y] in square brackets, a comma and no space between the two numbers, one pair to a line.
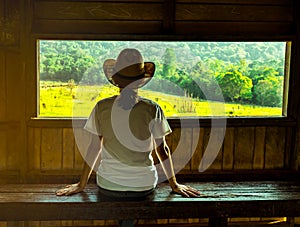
[246,72]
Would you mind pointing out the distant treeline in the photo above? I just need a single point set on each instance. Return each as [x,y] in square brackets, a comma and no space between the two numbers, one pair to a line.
[246,72]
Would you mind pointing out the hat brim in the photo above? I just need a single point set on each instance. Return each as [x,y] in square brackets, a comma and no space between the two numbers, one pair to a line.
[122,81]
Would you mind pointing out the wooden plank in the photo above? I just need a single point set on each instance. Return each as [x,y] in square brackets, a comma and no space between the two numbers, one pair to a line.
[290,159]
[197,155]
[65,10]
[181,148]
[168,16]
[49,223]
[15,78]
[240,2]
[3,150]
[30,146]
[2,85]
[96,27]
[218,162]
[37,159]
[99,222]
[211,134]
[219,199]
[33,224]
[51,149]
[275,147]
[127,1]
[2,9]
[10,20]
[243,148]
[15,108]
[15,150]
[206,135]
[228,149]
[259,148]
[34,148]
[68,148]
[208,12]
[261,29]
[82,223]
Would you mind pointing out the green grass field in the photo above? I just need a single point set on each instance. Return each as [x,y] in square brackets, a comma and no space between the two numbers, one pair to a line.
[66,100]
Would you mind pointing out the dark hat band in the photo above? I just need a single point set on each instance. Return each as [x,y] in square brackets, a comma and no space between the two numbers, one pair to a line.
[141,76]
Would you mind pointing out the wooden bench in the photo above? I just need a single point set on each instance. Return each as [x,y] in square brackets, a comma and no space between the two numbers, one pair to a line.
[219,201]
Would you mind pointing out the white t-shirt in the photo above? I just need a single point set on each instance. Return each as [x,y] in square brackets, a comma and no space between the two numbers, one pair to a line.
[128,139]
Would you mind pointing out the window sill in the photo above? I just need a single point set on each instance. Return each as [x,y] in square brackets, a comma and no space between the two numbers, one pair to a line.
[175,122]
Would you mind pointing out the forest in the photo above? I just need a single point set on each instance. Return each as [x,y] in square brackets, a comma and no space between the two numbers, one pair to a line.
[238,72]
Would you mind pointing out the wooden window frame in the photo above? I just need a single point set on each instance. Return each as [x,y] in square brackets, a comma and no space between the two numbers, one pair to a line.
[33,83]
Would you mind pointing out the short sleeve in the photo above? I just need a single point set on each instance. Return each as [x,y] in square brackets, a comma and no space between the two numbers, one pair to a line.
[92,123]
[159,125]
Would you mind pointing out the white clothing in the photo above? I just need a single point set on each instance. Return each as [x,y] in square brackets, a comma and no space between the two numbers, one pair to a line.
[128,139]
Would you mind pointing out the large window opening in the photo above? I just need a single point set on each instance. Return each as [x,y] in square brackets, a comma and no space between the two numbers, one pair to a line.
[246,78]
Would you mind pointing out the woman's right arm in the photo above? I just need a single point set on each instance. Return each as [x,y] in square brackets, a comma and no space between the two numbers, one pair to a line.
[91,159]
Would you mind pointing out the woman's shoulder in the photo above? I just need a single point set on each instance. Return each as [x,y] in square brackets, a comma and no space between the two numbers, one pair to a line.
[106,100]
[148,102]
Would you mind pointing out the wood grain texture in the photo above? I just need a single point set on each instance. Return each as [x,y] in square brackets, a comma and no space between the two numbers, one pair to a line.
[79,10]
[181,148]
[228,149]
[209,12]
[241,2]
[259,148]
[97,27]
[14,159]
[219,199]
[198,143]
[275,147]
[68,148]
[244,147]
[260,144]
[36,152]
[217,139]
[290,158]
[15,79]
[3,150]
[3,87]
[227,29]
[51,149]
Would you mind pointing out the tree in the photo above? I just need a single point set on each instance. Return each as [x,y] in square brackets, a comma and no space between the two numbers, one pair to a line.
[169,64]
[64,60]
[268,92]
[235,86]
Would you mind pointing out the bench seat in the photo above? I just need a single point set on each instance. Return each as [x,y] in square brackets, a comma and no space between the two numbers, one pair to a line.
[219,201]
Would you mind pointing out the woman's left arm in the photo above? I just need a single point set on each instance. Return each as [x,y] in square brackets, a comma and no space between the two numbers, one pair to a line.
[163,153]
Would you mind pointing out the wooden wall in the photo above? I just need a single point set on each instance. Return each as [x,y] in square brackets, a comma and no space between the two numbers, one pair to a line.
[44,150]
[244,148]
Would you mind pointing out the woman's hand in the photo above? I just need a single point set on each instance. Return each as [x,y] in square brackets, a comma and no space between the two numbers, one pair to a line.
[70,190]
[185,191]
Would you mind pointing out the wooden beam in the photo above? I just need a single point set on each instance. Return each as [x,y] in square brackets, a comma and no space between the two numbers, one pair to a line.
[168,16]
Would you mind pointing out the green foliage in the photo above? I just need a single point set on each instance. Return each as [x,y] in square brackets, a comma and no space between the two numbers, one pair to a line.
[247,73]
[235,86]
[268,92]
[63,61]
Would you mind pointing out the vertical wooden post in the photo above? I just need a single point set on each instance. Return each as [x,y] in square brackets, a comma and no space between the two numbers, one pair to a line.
[294,93]
[168,16]
[217,222]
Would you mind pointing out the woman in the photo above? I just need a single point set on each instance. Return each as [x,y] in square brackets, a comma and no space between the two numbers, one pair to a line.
[125,129]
